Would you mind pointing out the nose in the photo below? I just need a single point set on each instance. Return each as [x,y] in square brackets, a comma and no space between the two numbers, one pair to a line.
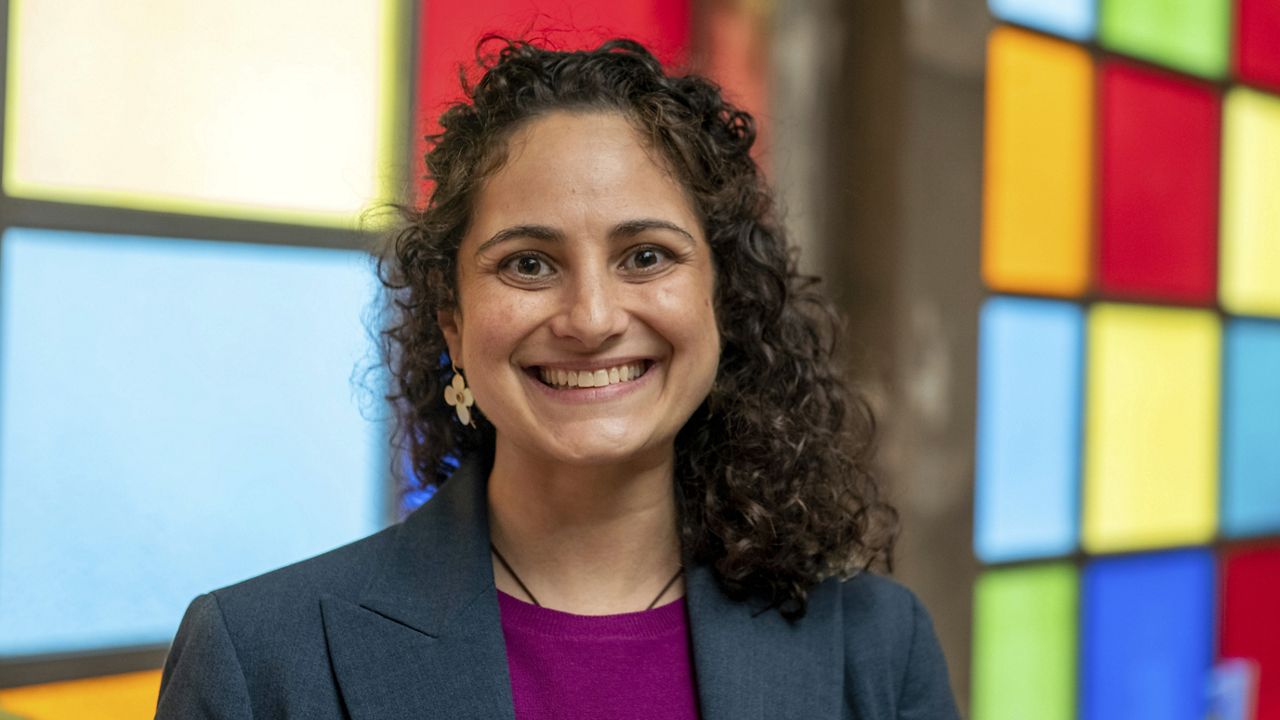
[592,309]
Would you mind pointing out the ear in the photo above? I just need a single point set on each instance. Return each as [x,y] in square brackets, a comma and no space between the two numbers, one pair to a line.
[450,322]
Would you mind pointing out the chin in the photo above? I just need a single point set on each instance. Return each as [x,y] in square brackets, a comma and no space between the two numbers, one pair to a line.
[603,450]
[594,455]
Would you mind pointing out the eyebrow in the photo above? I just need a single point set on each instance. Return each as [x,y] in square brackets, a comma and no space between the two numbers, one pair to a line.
[624,229]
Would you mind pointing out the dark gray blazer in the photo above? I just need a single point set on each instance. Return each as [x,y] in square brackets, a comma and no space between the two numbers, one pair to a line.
[405,624]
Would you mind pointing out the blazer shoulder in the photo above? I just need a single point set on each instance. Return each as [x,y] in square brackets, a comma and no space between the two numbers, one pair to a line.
[879,617]
[876,596]
[892,653]
[258,647]
[271,612]
[343,571]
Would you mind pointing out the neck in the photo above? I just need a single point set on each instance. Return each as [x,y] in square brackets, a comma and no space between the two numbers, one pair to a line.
[585,539]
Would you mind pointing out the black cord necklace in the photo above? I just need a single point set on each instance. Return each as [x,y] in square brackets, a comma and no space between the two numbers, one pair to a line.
[525,588]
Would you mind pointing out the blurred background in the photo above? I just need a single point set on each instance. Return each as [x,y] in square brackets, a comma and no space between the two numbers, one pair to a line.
[1053,226]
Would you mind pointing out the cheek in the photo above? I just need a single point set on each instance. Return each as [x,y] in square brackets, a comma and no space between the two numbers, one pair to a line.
[484,333]
[489,335]
[492,325]
[690,324]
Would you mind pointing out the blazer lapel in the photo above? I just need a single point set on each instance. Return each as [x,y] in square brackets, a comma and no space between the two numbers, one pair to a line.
[753,664]
[424,639]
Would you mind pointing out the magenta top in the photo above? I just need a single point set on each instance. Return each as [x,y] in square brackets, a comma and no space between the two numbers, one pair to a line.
[620,667]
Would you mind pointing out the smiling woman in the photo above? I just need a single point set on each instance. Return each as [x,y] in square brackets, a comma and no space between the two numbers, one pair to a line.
[583,255]
[662,506]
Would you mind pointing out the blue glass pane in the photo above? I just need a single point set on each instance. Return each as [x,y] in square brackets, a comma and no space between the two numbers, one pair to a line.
[1148,623]
[1251,429]
[176,415]
[1028,450]
[1075,19]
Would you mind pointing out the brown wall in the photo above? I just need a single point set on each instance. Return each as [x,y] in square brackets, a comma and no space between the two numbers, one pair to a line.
[880,167]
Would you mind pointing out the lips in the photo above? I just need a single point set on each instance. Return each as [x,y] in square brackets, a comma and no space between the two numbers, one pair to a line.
[562,378]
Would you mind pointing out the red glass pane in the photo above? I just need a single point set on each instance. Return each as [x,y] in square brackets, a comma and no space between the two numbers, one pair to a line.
[448,31]
[1258,42]
[734,50]
[1251,619]
[1158,210]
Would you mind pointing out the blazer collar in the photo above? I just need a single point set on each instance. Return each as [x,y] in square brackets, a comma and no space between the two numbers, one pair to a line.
[426,632]
[439,562]
[424,639]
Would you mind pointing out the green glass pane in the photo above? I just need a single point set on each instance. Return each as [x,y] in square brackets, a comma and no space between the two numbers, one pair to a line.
[1187,35]
[1024,657]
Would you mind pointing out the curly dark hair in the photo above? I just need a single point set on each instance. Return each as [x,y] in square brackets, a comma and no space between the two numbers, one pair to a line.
[772,475]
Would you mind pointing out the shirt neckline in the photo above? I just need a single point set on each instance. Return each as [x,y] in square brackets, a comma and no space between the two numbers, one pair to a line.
[524,616]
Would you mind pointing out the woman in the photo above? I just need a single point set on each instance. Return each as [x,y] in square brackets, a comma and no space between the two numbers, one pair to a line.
[661,493]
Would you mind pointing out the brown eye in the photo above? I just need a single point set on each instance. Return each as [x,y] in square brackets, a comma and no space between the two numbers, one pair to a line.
[648,258]
[527,267]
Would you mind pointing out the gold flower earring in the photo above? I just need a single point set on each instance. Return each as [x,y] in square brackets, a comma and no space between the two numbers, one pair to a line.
[458,395]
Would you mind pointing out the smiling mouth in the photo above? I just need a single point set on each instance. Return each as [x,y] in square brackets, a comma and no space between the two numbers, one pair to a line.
[600,377]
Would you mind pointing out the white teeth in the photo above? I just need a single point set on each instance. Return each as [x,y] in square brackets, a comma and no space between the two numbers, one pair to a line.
[591,378]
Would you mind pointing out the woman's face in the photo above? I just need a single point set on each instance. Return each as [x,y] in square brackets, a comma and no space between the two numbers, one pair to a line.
[585,323]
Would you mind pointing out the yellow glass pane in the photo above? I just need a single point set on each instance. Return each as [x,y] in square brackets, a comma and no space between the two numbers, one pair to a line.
[1037,204]
[277,110]
[1151,427]
[113,697]
[1250,264]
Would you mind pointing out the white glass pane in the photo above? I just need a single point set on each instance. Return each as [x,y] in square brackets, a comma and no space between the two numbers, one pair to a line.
[271,109]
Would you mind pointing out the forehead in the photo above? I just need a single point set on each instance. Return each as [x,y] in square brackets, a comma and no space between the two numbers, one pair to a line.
[568,168]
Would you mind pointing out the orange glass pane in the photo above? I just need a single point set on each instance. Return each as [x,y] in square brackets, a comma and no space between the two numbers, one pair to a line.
[1037,206]
[122,697]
